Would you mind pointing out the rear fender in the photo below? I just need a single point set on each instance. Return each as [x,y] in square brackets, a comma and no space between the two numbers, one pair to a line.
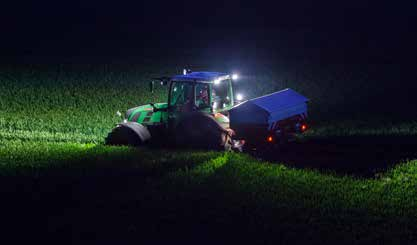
[138,128]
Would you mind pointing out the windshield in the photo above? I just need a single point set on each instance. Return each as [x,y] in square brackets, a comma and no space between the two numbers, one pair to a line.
[222,94]
[186,97]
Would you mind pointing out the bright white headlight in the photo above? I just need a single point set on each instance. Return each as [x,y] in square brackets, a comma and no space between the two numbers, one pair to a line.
[217,81]
[239,97]
[235,76]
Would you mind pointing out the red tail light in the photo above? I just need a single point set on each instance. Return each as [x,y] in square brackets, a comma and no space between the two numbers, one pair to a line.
[303,127]
[269,139]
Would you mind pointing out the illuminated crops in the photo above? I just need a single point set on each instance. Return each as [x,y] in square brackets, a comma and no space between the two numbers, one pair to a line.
[79,103]
[140,194]
[52,161]
[69,107]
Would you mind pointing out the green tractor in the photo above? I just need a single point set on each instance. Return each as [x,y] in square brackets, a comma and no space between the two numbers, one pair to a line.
[195,115]
[202,112]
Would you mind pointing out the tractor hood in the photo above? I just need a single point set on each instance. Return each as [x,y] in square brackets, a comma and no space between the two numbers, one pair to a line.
[270,108]
[145,113]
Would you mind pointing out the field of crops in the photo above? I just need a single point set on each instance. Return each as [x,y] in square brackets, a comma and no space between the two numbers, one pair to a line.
[58,181]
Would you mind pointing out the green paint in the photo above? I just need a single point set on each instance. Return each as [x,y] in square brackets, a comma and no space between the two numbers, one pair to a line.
[146,111]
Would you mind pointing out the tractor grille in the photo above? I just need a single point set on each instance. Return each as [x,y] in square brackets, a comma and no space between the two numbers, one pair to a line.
[136,117]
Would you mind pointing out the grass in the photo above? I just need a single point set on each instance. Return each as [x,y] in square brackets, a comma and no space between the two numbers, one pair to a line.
[37,157]
[58,180]
[142,192]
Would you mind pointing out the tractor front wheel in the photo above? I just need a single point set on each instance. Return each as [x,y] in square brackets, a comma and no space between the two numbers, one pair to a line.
[125,135]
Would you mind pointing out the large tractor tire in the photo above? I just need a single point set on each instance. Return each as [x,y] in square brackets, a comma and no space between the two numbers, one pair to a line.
[201,130]
[130,133]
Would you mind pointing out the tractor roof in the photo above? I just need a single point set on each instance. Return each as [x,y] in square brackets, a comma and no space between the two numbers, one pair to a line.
[201,76]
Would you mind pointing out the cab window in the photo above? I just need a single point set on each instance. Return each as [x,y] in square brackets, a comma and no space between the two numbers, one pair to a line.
[221,95]
[202,99]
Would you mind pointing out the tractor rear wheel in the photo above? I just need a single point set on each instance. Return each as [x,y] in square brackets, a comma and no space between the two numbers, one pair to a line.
[201,130]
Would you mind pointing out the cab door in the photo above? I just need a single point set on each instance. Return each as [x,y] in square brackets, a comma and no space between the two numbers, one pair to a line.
[181,100]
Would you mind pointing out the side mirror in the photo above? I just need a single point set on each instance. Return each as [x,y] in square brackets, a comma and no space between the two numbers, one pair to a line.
[151,85]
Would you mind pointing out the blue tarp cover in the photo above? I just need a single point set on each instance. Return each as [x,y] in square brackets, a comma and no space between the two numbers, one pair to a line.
[270,108]
[279,100]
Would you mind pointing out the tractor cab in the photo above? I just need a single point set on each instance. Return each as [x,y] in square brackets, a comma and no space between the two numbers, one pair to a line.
[208,92]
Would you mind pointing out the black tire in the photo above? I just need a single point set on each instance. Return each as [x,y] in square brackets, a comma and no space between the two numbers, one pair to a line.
[121,135]
[201,130]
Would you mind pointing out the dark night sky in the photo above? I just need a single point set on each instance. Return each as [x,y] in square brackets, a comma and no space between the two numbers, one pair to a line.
[379,29]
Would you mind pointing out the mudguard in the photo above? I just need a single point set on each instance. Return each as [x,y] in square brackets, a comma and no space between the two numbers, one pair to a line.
[128,133]
[138,128]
